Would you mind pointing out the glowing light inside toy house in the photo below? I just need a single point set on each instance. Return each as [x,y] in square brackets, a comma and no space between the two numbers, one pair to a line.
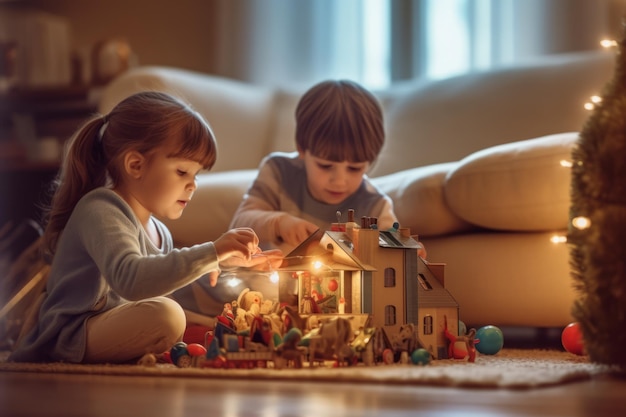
[319,289]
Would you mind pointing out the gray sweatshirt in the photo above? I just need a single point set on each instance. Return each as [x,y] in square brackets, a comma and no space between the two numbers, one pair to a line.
[104,257]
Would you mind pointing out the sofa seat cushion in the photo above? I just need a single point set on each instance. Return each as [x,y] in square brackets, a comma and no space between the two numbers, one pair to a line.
[518,186]
[419,202]
[507,278]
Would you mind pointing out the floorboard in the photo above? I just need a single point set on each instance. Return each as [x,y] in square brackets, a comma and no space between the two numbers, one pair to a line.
[34,395]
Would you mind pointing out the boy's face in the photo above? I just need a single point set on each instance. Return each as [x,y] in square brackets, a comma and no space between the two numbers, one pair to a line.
[332,182]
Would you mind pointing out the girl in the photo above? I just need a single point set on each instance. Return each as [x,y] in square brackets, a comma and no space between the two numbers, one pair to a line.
[113,262]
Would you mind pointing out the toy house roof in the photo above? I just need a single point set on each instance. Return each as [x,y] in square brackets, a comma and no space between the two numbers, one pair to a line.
[315,248]
[431,292]
[341,256]
[390,239]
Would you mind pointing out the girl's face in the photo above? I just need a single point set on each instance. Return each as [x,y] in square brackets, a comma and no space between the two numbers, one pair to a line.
[332,182]
[167,185]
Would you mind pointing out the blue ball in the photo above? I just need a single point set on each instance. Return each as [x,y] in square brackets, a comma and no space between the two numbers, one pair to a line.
[490,340]
[420,357]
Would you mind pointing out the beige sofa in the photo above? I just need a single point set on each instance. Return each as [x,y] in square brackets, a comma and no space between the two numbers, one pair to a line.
[473,164]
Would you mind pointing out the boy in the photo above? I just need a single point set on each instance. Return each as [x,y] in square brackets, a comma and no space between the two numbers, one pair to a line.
[339,134]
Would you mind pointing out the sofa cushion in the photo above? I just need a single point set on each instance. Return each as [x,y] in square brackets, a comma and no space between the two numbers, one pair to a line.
[419,202]
[445,120]
[518,186]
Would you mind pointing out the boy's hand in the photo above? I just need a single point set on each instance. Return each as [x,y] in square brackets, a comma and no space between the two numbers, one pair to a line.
[293,230]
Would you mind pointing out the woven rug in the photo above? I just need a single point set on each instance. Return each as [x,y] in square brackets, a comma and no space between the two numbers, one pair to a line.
[509,368]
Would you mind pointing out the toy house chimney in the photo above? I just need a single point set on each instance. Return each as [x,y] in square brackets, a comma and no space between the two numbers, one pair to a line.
[365,243]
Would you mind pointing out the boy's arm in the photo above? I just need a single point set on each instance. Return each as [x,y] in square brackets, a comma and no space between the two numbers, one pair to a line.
[260,208]
[254,212]
[386,214]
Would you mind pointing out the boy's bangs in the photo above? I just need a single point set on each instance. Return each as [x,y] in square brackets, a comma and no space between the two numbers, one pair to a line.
[338,150]
[341,145]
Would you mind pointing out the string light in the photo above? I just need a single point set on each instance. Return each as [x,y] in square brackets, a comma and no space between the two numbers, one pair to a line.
[558,239]
[594,101]
[566,164]
[581,222]
[233,282]
[608,43]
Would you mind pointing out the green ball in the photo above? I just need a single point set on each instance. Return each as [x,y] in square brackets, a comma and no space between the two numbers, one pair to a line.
[420,357]
[490,340]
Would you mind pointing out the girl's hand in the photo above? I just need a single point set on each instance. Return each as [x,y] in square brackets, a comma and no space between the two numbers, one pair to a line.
[240,243]
[293,230]
[235,246]
[262,261]
[267,260]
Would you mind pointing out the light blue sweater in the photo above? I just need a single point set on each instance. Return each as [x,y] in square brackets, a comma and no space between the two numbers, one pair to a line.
[104,257]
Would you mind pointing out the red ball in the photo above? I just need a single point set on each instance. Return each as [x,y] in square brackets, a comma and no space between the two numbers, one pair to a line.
[333,285]
[196,349]
[572,339]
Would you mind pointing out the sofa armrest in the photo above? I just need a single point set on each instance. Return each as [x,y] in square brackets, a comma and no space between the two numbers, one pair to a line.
[419,202]
[520,186]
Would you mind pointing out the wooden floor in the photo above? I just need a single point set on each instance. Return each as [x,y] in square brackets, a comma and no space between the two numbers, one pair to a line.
[33,395]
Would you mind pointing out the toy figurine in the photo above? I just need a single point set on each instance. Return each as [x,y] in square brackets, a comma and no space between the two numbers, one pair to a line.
[290,351]
[460,347]
[332,341]
[186,355]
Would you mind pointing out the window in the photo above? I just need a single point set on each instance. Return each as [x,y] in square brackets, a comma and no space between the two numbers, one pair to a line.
[390,277]
[379,42]
[423,281]
[390,315]
[428,324]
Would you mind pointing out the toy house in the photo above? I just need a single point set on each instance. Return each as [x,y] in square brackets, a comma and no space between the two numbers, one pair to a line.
[372,272]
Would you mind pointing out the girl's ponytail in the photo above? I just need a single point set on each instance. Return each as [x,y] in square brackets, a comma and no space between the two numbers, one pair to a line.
[83,169]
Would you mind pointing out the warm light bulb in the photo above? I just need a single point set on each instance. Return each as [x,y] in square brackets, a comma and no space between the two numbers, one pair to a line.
[566,164]
[233,282]
[596,99]
[317,264]
[558,239]
[608,43]
[274,277]
[581,222]
[589,106]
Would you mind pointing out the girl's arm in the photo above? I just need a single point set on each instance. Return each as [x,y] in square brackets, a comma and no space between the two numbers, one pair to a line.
[115,241]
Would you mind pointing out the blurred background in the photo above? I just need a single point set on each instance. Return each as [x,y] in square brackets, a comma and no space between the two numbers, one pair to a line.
[55,55]
[375,42]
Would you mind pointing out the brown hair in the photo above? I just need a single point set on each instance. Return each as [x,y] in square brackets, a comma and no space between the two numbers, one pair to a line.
[340,121]
[143,122]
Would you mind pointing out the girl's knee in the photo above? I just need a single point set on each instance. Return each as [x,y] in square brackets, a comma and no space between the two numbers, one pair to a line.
[170,318]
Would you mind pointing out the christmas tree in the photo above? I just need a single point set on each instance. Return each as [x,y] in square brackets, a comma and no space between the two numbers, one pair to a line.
[597,228]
